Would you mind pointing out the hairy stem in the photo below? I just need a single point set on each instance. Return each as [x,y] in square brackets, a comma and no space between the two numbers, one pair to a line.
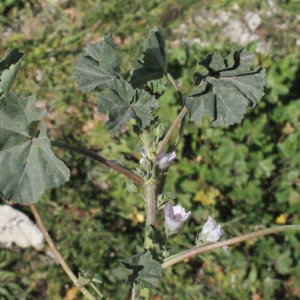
[150,188]
[57,254]
[181,118]
[174,259]
[173,82]
[150,194]
[170,132]
[110,163]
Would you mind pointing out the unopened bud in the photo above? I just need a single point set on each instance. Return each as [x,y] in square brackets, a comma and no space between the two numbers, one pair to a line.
[132,188]
[159,130]
[146,164]
[166,252]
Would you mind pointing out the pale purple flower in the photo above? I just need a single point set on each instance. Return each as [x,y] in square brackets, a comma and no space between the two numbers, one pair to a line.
[163,159]
[225,248]
[214,231]
[174,218]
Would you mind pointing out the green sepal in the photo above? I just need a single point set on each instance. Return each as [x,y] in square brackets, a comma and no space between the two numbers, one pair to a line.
[150,181]
[84,278]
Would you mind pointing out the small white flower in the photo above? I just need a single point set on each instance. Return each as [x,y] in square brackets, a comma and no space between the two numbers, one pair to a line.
[163,159]
[174,218]
[214,231]
[211,232]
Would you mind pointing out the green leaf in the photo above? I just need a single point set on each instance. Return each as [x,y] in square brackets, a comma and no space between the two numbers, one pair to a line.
[98,66]
[224,92]
[284,263]
[125,103]
[152,65]
[30,165]
[265,166]
[9,67]
[143,270]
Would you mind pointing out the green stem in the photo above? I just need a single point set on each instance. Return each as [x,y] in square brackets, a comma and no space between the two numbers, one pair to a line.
[133,292]
[165,173]
[57,254]
[170,132]
[150,207]
[174,259]
[180,134]
[150,194]
[180,118]
[162,181]
[173,82]
[96,290]
[110,163]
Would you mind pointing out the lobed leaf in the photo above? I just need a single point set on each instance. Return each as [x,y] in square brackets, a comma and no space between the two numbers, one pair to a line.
[125,103]
[28,165]
[98,66]
[152,65]
[143,270]
[225,91]
[9,67]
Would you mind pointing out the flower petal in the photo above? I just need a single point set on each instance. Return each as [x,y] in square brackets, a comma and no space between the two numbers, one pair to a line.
[209,225]
[215,234]
[174,218]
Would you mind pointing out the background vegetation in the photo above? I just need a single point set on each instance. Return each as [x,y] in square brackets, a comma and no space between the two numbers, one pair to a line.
[245,176]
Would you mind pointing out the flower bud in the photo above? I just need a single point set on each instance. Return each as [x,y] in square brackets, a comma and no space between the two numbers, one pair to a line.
[166,252]
[159,130]
[146,164]
[132,188]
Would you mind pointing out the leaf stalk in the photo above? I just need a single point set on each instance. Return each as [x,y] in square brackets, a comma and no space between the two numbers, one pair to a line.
[110,163]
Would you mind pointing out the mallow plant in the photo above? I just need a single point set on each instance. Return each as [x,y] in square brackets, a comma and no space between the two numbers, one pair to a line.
[224,88]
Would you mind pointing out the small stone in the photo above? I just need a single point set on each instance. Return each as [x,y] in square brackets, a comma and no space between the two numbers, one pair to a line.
[16,228]
[253,20]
